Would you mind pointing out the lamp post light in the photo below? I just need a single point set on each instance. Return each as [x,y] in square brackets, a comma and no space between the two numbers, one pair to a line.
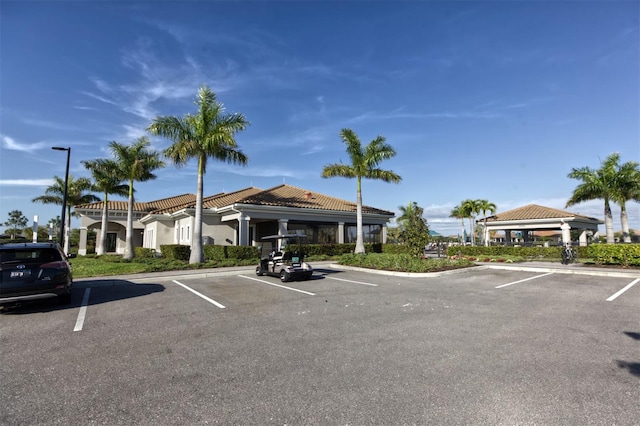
[64,196]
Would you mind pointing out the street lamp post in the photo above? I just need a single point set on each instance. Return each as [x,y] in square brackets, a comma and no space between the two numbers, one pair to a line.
[64,196]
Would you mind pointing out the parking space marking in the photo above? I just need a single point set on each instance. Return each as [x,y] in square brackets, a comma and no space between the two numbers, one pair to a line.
[526,279]
[219,305]
[83,311]
[351,281]
[277,285]
[627,287]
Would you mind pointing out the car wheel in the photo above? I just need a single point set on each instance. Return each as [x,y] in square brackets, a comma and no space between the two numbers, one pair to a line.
[284,276]
[259,271]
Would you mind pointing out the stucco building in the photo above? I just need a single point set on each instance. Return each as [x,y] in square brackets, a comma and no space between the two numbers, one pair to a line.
[236,218]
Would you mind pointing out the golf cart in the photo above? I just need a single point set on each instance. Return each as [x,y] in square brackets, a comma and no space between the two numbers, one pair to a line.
[282,256]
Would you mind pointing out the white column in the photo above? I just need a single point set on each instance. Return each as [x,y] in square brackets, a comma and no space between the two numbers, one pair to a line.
[243,230]
[35,228]
[583,237]
[82,244]
[384,233]
[340,232]
[282,226]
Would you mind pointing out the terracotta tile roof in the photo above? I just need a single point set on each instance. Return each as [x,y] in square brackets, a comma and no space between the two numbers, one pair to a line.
[279,196]
[139,206]
[231,198]
[291,196]
[533,211]
[213,201]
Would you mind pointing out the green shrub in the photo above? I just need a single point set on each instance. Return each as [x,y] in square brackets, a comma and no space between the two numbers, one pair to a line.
[616,254]
[538,252]
[214,253]
[219,253]
[144,253]
[175,251]
[402,262]
[395,249]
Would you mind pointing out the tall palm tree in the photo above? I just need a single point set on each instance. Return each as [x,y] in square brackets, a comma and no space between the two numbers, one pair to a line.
[597,184]
[627,188]
[485,206]
[206,134]
[108,180]
[136,163]
[78,192]
[458,213]
[470,208]
[364,164]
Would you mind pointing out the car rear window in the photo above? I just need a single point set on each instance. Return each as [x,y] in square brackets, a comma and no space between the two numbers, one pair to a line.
[41,255]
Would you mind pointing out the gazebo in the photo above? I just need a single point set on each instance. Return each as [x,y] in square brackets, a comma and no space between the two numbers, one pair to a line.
[536,218]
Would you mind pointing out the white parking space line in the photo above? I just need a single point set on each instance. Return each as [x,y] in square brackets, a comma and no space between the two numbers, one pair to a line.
[83,311]
[277,285]
[219,305]
[351,281]
[627,287]
[526,279]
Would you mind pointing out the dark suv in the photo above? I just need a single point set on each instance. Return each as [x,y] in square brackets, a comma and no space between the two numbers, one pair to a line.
[33,271]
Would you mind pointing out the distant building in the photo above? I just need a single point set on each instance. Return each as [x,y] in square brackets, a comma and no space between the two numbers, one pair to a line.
[522,224]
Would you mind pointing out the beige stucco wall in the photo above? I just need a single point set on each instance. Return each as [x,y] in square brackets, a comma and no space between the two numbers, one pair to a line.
[219,233]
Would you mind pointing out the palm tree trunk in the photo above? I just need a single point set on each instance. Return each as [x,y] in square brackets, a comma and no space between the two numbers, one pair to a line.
[608,222]
[624,219]
[128,246]
[197,256]
[102,241]
[359,236]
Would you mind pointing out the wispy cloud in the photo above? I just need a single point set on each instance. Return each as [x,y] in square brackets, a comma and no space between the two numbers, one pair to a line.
[418,115]
[26,182]
[10,143]
[52,125]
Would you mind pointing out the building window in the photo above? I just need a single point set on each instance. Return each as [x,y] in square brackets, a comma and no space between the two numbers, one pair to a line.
[370,233]
[188,228]
[317,233]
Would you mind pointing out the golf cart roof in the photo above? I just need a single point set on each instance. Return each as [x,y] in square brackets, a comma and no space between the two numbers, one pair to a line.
[280,237]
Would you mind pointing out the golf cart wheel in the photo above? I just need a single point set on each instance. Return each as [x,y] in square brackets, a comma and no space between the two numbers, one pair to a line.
[259,271]
[284,276]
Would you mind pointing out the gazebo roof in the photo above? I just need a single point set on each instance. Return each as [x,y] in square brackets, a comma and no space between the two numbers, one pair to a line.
[535,212]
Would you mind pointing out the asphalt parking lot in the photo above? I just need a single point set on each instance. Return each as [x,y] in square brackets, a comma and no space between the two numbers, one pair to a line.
[484,346]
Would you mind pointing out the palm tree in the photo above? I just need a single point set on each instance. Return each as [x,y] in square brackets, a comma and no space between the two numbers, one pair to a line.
[627,188]
[485,206]
[597,184]
[364,164]
[458,213]
[206,134]
[107,179]
[77,193]
[408,212]
[470,208]
[136,163]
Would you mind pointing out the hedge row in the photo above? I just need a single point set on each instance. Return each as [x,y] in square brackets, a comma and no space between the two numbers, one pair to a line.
[217,253]
[602,254]
[616,254]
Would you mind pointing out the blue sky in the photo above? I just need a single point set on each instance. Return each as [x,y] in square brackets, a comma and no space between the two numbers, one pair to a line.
[492,100]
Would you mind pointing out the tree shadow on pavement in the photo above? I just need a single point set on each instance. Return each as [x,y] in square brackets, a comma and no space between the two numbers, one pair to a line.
[633,367]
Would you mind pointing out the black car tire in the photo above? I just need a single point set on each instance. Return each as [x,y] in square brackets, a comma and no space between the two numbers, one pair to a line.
[259,271]
[284,276]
